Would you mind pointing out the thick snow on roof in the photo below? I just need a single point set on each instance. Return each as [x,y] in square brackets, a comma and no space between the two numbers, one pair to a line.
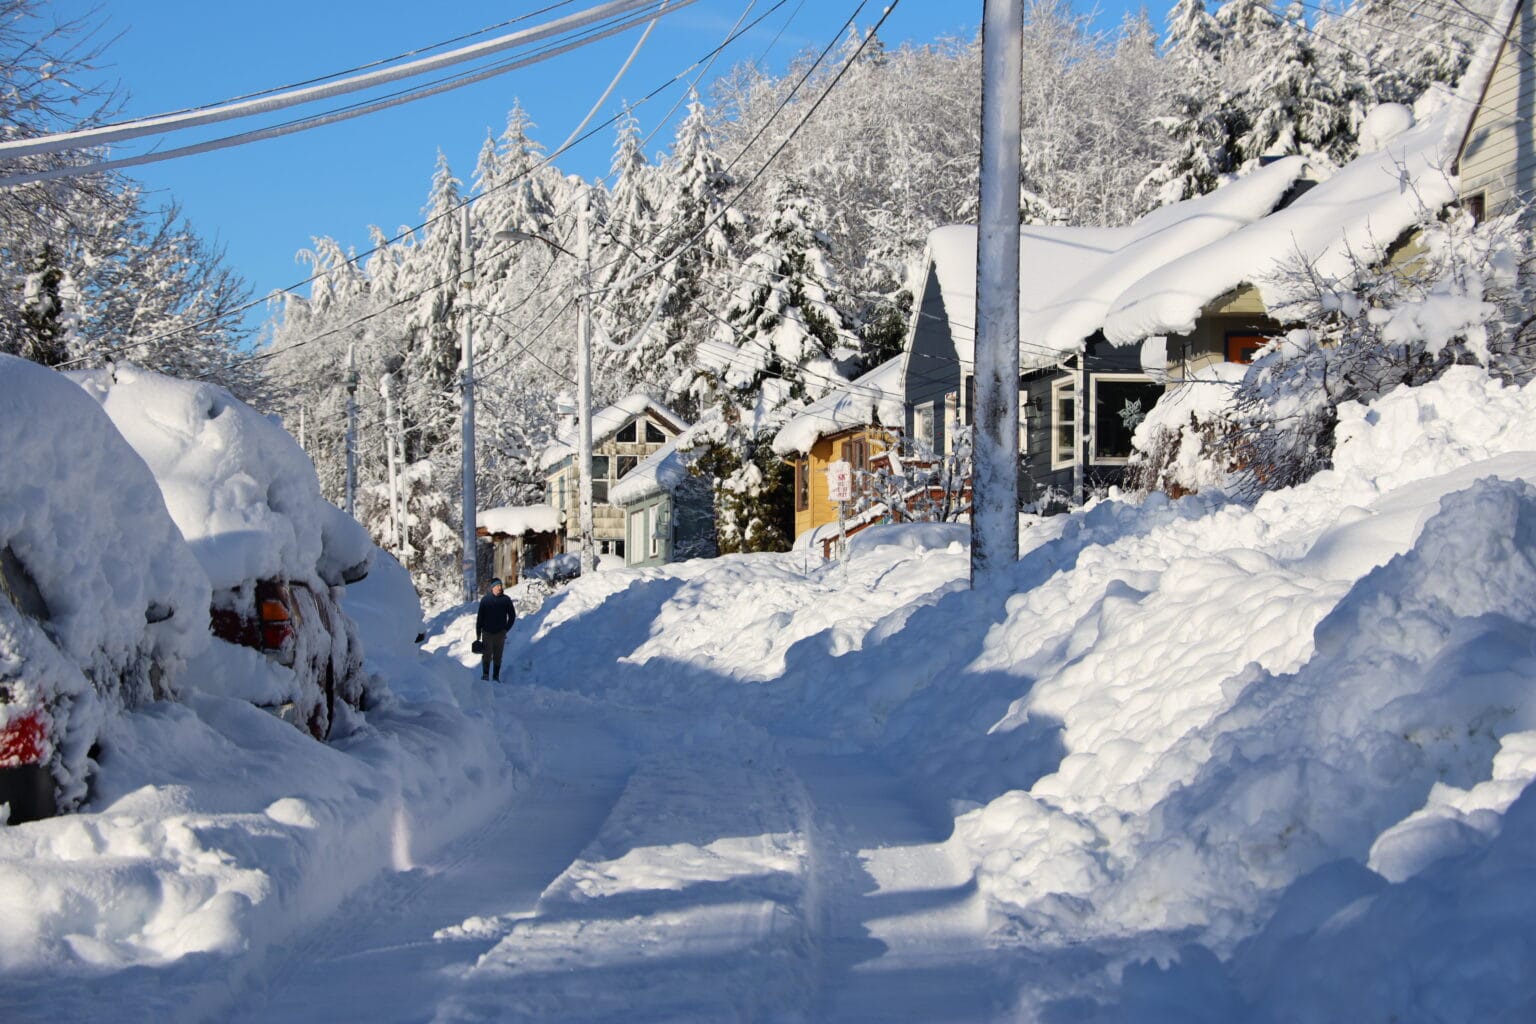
[520,519]
[1352,218]
[243,492]
[857,404]
[659,473]
[1070,277]
[605,423]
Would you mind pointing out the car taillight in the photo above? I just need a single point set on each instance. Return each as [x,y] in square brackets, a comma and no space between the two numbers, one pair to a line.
[275,634]
[23,741]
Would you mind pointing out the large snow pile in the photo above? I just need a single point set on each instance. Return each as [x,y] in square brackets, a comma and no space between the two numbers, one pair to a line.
[81,514]
[240,488]
[1266,747]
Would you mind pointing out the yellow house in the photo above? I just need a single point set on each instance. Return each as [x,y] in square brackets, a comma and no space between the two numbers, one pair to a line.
[852,424]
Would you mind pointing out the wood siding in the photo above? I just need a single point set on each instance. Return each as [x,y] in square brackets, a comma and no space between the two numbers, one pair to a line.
[608,522]
[822,509]
[1498,156]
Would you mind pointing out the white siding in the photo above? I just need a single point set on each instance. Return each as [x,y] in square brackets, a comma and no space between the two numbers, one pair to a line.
[1498,158]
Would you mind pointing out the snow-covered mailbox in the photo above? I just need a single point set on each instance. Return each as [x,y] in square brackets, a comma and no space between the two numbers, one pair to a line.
[101,601]
[520,537]
[276,553]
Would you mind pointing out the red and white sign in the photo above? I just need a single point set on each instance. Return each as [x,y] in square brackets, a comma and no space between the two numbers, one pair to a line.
[839,481]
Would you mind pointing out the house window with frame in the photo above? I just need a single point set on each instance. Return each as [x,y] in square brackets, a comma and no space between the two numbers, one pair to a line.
[922,424]
[856,453]
[1063,423]
[600,479]
[629,433]
[802,484]
[625,465]
[660,530]
[653,434]
[1120,401]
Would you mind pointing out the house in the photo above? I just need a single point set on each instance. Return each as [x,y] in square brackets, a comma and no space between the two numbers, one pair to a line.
[668,512]
[1496,153]
[623,435]
[518,537]
[1069,279]
[853,424]
[1119,315]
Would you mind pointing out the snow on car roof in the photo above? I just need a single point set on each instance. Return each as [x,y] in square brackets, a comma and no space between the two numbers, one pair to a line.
[243,492]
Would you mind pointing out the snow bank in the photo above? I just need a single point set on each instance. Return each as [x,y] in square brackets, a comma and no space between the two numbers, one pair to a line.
[1198,733]
[82,515]
[241,490]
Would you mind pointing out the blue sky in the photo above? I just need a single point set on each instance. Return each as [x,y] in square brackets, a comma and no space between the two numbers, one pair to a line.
[264,202]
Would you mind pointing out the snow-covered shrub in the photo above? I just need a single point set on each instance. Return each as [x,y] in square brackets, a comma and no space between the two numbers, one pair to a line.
[753,486]
[913,483]
[1464,297]
[1174,449]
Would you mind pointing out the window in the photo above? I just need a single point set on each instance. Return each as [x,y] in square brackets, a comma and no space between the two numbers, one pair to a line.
[1242,347]
[968,386]
[630,432]
[653,434]
[1120,402]
[802,484]
[856,453]
[1063,423]
[951,420]
[922,424]
[1023,422]
[600,479]
[661,531]
[625,463]
[1476,205]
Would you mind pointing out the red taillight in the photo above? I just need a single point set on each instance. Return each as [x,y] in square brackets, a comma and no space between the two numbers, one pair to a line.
[275,634]
[273,610]
[23,741]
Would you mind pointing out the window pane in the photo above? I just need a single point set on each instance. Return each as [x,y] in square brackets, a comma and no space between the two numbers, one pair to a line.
[628,432]
[625,464]
[599,491]
[1119,406]
[599,468]
[653,434]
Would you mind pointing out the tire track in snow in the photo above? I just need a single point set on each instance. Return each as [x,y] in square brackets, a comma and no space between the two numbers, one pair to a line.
[900,925]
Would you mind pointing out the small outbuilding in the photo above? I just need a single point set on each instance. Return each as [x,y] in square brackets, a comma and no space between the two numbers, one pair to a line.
[519,537]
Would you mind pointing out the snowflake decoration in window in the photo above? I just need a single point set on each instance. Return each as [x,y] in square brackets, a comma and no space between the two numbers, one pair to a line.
[1132,414]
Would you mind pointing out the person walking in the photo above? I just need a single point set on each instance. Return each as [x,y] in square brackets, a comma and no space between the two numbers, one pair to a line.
[492,621]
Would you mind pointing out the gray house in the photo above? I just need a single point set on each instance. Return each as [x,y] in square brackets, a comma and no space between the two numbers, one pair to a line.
[1496,158]
[668,512]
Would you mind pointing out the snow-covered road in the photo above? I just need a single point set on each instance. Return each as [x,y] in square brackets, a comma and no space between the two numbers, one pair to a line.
[654,868]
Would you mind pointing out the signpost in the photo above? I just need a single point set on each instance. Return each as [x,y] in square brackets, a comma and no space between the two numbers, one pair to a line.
[840,490]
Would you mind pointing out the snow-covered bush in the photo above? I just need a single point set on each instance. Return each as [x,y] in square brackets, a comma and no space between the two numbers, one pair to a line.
[1174,449]
[912,483]
[1464,297]
[753,486]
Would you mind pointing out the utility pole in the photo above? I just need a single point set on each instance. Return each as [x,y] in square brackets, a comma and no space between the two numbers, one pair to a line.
[351,382]
[467,365]
[995,485]
[584,385]
[387,389]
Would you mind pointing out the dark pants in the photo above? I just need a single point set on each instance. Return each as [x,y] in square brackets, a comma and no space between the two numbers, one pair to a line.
[491,645]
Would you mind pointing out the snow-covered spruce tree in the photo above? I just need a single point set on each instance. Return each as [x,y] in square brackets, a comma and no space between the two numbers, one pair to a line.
[752,486]
[699,229]
[783,342]
[1466,299]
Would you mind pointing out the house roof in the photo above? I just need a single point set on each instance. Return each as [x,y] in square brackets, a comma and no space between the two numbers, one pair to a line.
[1070,277]
[857,404]
[519,519]
[659,473]
[1352,218]
[605,424]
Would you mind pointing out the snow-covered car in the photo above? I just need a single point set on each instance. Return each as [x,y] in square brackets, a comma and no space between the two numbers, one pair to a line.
[102,604]
[277,554]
